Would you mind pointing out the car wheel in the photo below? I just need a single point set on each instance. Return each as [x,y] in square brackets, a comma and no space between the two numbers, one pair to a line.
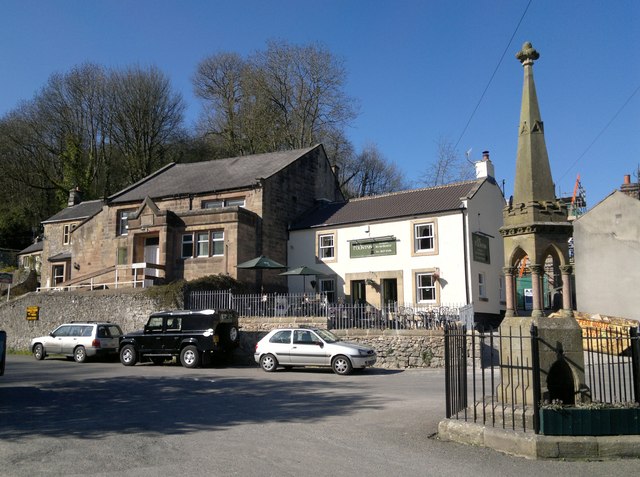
[341,365]
[228,337]
[128,355]
[80,354]
[269,363]
[233,334]
[157,360]
[189,357]
[38,352]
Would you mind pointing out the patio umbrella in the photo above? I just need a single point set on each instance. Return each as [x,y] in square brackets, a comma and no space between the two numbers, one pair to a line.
[260,263]
[303,271]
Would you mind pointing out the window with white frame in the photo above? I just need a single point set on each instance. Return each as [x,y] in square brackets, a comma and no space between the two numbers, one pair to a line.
[328,288]
[220,203]
[123,221]
[217,242]
[424,237]
[66,234]
[482,286]
[425,287]
[58,274]
[187,246]
[237,202]
[326,247]
[202,244]
[213,204]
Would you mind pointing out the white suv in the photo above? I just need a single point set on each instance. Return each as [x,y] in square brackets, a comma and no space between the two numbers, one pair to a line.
[81,340]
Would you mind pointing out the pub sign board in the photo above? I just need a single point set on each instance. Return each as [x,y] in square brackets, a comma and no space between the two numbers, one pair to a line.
[372,247]
[480,248]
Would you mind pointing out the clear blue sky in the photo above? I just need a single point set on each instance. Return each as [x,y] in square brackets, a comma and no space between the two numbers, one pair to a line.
[417,68]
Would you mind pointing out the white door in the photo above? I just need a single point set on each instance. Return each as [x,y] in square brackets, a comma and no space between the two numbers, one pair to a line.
[151,255]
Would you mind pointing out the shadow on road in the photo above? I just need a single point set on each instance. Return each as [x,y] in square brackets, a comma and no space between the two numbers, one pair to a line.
[92,408]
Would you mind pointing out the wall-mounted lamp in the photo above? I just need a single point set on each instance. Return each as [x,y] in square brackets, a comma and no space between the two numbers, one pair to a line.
[76,265]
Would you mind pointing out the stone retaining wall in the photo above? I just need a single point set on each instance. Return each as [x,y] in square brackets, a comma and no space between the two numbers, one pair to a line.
[128,307]
[397,349]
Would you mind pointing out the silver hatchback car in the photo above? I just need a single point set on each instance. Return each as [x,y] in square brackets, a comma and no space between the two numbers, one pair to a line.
[289,347]
[80,340]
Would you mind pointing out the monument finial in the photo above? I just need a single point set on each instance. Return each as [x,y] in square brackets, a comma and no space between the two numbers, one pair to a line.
[528,54]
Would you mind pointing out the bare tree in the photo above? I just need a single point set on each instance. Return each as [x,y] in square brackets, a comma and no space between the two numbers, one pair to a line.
[79,129]
[370,173]
[146,117]
[59,136]
[285,97]
[447,166]
[218,82]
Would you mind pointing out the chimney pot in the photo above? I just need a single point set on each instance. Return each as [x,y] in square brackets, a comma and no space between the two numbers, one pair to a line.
[485,155]
[627,179]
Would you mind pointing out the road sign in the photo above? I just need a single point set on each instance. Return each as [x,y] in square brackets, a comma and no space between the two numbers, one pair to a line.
[6,277]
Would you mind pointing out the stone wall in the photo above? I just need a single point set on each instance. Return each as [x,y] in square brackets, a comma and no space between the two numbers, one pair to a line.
[397,349]
[128,308]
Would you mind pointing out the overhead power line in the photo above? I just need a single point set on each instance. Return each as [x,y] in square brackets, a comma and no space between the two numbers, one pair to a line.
[624,105]
[493,75]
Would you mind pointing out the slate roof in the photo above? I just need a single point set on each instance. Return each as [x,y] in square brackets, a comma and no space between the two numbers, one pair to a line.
[80,211]
[209,176]
[60,257]
[34,247]
[407,203]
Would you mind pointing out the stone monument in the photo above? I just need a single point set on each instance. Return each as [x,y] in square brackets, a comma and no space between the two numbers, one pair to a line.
[536,233]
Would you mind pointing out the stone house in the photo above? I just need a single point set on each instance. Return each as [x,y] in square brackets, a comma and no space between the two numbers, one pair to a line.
[606,254]
[187,221]
[432,246]
[30,258]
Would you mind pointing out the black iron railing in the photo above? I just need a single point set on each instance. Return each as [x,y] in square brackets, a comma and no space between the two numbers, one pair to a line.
[420,316]
[491,378]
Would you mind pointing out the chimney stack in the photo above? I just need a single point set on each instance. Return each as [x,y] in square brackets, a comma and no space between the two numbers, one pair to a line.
[484,168]
[629,188]
[74,197]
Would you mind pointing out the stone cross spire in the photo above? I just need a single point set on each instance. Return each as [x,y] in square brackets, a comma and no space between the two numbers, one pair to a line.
[533,174]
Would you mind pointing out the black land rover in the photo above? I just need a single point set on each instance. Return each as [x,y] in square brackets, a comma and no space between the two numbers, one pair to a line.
[192,335]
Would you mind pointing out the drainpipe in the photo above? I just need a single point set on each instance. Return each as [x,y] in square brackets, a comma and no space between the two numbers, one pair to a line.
[466,255]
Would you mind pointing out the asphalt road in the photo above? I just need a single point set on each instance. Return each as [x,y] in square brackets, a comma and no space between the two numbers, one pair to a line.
[58,417]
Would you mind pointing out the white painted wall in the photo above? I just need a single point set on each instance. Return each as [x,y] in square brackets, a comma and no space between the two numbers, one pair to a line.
[484,214]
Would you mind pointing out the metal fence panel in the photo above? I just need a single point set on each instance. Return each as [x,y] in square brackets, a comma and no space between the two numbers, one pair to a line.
[341,315]
[499,371]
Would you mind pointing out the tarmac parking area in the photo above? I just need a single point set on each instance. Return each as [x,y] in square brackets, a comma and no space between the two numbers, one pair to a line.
[58,417]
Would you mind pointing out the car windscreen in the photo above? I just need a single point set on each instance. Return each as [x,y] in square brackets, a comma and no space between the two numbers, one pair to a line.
[62,331]
[327,336]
